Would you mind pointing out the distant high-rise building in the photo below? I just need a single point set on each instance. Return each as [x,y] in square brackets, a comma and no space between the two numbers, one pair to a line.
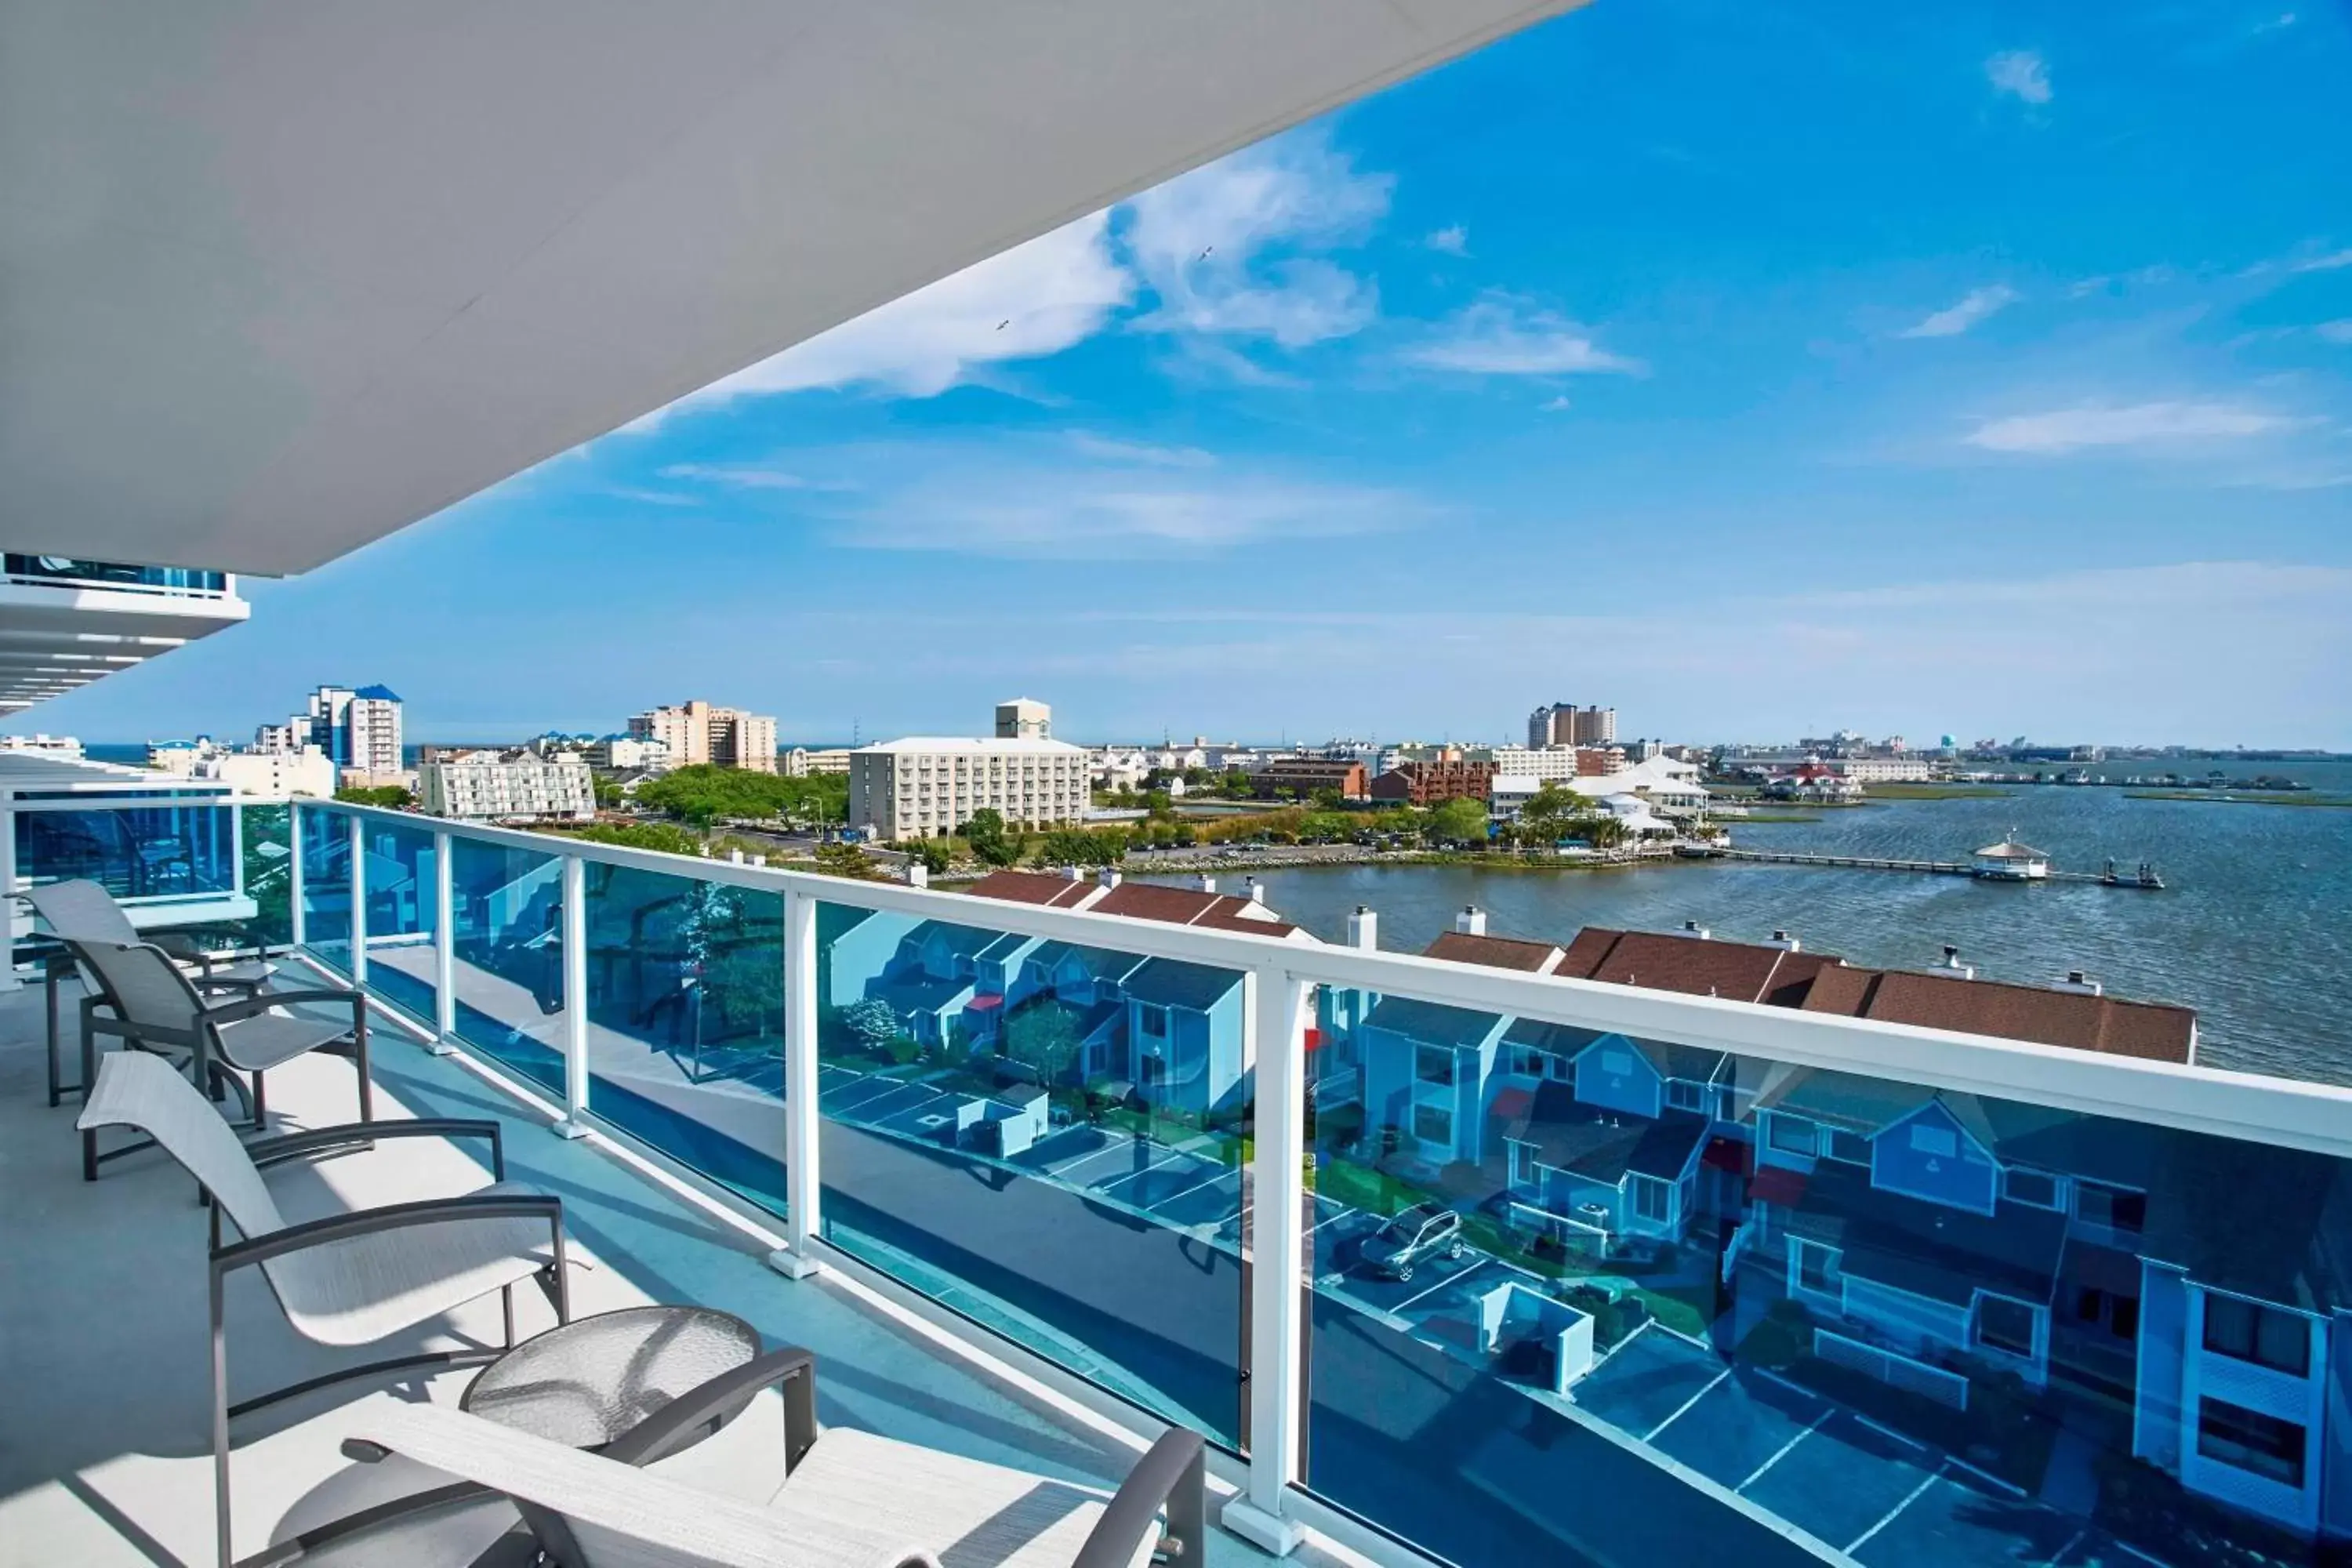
[1566,724]
[697,734]
[358,730]
[1024,719]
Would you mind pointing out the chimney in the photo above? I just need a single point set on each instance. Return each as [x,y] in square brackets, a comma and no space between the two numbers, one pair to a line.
[735,856]
[1204,883]
[1364,928]
[1471,921]
[917,875]
[759,859]
[2080,984]
[1785,943]
[1074,874]
[1108,878]
[1952,965]
[1695,931]
[1253,891]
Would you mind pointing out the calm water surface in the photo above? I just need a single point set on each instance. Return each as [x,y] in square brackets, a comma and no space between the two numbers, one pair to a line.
[2254,930]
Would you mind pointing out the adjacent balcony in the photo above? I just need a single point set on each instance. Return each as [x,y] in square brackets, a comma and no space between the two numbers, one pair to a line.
[1574,1273]
[65,623]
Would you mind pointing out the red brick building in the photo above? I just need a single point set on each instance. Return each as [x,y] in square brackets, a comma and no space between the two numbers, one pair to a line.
[1306,776]
[1430,784]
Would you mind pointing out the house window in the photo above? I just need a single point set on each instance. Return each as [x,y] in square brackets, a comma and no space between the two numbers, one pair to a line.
[1434,1064]
[2005,1325]
[1794,1135]
[1940,1142]
[1816,1267]
[2267,1336]
[2039,1188]
[1685,1095]
[1653,1199]
[2251,1441]
[1616,1064]
[2117,1208]
[2120,1314]
[1433,1124]
[1150,1070]
[1850,1147]
[1152,1021]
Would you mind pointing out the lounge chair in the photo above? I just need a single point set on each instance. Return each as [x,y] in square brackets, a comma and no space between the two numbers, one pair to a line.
[849,1498]
[352,1279]
[156,1006]
[82,912]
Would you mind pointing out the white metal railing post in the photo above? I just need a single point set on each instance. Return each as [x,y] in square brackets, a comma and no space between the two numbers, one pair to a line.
[9,883]
[574,1123]
[358,899]
[803,1221]
[1277,1348]
[297,928]
[444,946]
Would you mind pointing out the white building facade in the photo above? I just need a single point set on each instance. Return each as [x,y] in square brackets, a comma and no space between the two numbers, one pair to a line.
[697,732]
[928,786]
[507,786]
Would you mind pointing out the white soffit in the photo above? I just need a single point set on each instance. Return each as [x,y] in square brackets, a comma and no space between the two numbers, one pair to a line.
[278,278]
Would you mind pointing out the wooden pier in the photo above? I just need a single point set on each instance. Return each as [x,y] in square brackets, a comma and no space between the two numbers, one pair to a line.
[2144,877]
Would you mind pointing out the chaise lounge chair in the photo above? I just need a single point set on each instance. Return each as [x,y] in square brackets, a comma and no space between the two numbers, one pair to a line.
[156,1006]
[81,911]
[351,1278]
[849,1498]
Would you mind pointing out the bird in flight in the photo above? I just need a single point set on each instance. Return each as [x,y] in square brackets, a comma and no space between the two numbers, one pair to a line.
[1005,324]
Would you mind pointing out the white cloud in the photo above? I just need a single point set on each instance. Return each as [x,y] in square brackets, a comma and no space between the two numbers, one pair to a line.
[2064,430]
[1115,451]
[2020,72]
[1954,320]
[1035,300]
[2339,332]
[1199,243]
[1453,240]
[2331,262]
[1496,337]
[1555,406]
[737,476]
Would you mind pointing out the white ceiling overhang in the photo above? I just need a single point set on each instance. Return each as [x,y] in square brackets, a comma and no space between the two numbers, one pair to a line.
[278,278]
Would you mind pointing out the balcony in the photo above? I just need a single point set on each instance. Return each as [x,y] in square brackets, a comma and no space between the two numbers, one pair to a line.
[1893,1294]
[65,623]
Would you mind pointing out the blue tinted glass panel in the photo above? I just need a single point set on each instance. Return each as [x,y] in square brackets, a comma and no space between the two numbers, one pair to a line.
[1047,1138]
[269,880]
[143,852]
[685,1022]
[508,953]
[397,874]
[1649,1335]
[326,884]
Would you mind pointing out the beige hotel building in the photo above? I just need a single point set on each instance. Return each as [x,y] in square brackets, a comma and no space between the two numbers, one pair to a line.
[928,786]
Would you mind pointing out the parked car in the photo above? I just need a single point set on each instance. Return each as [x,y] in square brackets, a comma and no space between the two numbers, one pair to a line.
[1410,1236]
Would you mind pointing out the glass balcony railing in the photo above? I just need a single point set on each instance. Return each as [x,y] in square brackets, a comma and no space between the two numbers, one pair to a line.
[1047,1137]
[1583,1273]
[61,571]
[136,853]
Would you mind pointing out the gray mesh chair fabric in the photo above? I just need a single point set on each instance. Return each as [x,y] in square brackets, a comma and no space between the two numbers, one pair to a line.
[589,1383]
[81,911]
[349,1292]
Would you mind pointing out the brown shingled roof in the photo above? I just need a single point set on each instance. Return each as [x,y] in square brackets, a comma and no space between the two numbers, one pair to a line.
[1494,953]
[1695,966]
[1248,925]
[1142,901]
[1031,888]
[2150,1031]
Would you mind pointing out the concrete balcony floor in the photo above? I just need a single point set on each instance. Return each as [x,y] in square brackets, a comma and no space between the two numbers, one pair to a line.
[104,1414]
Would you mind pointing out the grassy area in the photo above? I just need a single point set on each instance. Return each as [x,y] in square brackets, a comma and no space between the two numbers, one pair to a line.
[1362,1187]
[2249,797]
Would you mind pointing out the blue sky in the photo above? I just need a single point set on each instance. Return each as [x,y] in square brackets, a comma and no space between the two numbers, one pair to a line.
[1758,370]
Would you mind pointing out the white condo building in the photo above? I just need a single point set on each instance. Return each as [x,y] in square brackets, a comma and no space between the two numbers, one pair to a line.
[928,786]
[695,733]
[489,785]
[1024,719]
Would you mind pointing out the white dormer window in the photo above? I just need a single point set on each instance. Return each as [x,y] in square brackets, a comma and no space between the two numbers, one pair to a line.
[1939,1142]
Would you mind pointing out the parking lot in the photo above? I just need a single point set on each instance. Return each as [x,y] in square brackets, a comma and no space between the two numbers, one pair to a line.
[1177,1188]
[1881,1498]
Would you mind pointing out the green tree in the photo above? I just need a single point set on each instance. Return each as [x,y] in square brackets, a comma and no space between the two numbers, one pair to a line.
[1160,803]
[666,836]
[704,794]
[1329,800]
[847,860]
[986,835]
[931,854]
[1459,821]
[1042,1038]
[608,793]
[1545,818]
[376,794]
[870,1023]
